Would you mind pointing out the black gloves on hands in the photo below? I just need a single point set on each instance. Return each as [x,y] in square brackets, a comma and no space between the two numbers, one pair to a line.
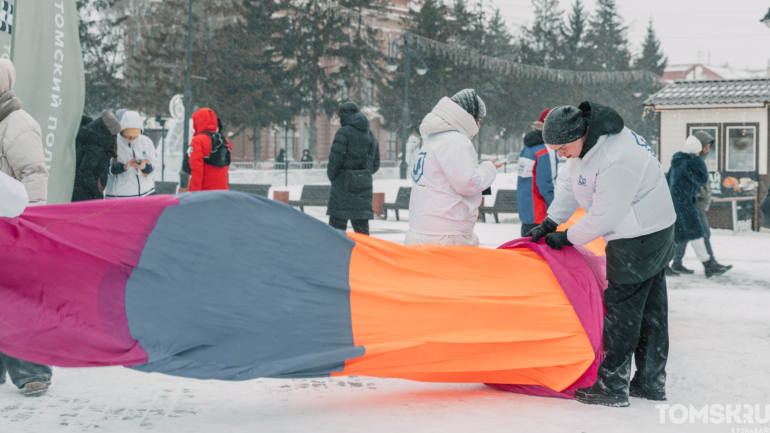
[547,226]
[557,240]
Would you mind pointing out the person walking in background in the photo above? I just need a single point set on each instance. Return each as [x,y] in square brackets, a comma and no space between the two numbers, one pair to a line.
[281,157]
[210,153]
[447,179]
[133,161]
[94,144]
[21,158]
[686,178]
[354,158]
[537,172]
[306,160]
[614,175]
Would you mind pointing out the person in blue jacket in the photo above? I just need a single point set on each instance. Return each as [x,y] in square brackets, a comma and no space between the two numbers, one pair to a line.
[537,173]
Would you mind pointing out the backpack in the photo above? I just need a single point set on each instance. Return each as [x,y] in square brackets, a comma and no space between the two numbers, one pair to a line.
[220,151]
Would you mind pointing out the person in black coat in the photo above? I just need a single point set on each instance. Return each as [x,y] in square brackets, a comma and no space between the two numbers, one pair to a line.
[687,174]
[94,145]
[354,158]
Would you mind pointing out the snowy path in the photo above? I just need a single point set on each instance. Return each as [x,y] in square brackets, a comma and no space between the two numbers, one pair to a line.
[720,353]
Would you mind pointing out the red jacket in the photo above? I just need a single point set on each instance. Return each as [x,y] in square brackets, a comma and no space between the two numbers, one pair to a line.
[204,177]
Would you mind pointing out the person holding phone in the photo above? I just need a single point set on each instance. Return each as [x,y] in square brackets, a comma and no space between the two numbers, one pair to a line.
[447,179]
[133,161]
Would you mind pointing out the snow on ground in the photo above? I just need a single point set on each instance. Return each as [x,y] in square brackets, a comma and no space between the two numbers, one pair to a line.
[720,352]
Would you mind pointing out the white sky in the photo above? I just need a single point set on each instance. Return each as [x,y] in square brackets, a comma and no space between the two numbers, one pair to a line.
[729,30]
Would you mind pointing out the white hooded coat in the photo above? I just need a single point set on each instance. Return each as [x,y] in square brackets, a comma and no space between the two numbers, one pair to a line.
[132,183]
[13,196]
[447,179]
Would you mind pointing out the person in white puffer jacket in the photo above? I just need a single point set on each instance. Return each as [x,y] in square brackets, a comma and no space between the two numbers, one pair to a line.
[134,162]
[447,180]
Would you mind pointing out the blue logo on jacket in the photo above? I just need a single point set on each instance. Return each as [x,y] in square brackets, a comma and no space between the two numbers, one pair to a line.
[581,180]
[419,167]
[642,142]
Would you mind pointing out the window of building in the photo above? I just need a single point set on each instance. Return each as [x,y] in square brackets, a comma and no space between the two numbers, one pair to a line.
[287,142]
[741,144]
[392,145]
[368,92]
[712,159]
[343,90]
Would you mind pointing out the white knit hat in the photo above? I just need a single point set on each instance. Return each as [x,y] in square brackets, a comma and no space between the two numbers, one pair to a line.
[693,145]
[132,119]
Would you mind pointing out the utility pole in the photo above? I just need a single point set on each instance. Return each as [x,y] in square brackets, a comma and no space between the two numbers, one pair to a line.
[184,174]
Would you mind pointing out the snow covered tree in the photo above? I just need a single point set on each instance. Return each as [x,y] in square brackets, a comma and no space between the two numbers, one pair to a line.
[652,58]
[539,45]
[606,39]
[573,53]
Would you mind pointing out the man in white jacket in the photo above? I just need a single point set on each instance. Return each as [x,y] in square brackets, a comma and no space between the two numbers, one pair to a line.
[447,179]
[614,175]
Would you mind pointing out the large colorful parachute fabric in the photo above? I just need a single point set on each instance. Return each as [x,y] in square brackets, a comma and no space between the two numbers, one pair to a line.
[231,286]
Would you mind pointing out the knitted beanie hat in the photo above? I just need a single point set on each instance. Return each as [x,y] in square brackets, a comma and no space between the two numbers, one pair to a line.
[538,126]
[471,102]
[693,145]
[564,125]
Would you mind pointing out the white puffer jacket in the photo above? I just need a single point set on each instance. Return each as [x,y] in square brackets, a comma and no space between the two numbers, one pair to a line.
[621,186]
[21,150]
[13,196]
[132,183]
[447,179]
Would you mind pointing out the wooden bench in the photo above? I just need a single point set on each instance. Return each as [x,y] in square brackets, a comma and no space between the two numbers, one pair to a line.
[165,188]
[313,195]
[402,202]
[251,188]
[505,202]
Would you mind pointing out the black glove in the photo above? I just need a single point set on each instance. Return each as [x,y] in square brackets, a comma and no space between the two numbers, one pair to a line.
[547,226]
[557,240]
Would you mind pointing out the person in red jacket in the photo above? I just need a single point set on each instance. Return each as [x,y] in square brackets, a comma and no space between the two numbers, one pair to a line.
[205,174]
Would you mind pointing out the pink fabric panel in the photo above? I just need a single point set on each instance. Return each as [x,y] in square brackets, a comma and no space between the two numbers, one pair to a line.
[63,273]
[583,277]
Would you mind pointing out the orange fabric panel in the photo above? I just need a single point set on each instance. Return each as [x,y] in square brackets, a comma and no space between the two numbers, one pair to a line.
[596,246]
[462,314]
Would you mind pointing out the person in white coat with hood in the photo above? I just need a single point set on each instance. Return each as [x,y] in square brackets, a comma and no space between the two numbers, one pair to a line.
[614,175]
[134,161]
[447,179]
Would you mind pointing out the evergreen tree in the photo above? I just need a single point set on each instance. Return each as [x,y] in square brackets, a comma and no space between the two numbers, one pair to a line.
[606,39]
[101,32]
[652,58]
[573,34]
[540,44]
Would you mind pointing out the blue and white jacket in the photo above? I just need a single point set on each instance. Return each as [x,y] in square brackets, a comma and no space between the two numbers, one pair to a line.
[537,174]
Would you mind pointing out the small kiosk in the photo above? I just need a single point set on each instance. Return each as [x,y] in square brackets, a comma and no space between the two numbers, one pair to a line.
[737,114]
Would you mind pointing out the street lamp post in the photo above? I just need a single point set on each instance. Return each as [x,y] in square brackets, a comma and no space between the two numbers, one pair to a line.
[184,174]
[162,123]
[392,66]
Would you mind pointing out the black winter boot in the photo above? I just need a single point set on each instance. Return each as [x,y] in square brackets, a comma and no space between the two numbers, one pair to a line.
[671,273]
[597,395]
[677,267]
[637,390]
[713,269]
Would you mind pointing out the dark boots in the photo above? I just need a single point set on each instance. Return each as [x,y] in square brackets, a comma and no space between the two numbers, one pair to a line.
[671,273]
[677,267]
[713,268]
[597,395]
[636,389]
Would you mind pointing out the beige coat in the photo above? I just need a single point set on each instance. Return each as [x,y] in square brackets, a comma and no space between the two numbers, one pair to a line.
[21,149]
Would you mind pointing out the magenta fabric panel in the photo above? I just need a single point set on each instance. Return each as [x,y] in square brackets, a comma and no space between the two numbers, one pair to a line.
[63,273]
[582,276]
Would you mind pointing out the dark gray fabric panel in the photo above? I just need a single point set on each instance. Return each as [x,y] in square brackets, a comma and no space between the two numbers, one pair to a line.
[234,286]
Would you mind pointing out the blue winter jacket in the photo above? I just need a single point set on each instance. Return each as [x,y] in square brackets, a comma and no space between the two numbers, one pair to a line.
[685,177]
[537,173]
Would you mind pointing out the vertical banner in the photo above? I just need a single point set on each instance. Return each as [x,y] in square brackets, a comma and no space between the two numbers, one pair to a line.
[50,83]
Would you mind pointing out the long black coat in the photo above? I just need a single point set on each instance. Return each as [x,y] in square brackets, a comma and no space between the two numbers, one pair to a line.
[354,148]
[93,147]
[688,172]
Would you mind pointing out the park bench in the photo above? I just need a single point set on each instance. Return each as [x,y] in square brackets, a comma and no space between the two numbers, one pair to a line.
[165,188]
[313,195]
[402,202]
[251,188]
[505,202]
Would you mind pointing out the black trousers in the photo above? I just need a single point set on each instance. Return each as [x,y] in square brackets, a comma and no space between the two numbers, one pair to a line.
[526,228]
[636,325]
[359,226]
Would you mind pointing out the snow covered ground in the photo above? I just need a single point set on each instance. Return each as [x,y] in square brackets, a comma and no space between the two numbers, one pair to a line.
[720,354]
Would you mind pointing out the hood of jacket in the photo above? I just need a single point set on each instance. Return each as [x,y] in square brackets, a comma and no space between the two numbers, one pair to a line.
[8,104]
[358,121]
[602,120]
[131,120]
[533,138]
[448,116]
[204,120]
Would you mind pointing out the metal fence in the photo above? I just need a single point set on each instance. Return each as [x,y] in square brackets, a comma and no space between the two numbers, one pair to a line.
[295,165]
